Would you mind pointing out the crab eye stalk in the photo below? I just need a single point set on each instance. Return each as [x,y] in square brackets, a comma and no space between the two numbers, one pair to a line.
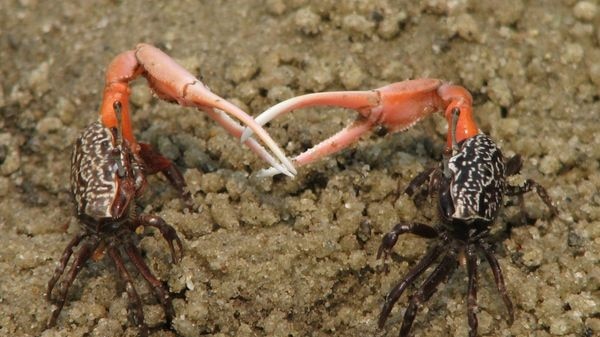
[117,109]
[455,115]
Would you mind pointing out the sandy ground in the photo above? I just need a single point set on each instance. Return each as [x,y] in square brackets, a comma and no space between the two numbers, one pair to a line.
[281,257]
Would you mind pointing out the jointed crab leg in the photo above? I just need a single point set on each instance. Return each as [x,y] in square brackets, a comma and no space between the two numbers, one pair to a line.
[173,83]
[397,106]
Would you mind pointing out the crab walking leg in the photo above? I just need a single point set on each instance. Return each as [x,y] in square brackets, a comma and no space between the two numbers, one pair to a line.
[171,82]
[64,260]
[83,254]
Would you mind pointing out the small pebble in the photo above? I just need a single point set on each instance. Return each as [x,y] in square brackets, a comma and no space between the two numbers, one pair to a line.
[197,158]
[282,75]
[246,91]
[2,99]
[499,92]
[222,212]
[141,95]
[244,67]
[38,79]
[65,110]
[317,76]
[593,66]
[351,74]
[447,7]
[185,327]
[280,93]
[532,256]
[355,23]
[593,324]
[390,26]
[212,182]
[583,304]
[550,165]
[508,12]
[168,149]
[572,53]
[307,21]
[48,125]
[585,10]
[11,156]
[561,326]
[5,184]
[465,26]
[107,327]
[276,7]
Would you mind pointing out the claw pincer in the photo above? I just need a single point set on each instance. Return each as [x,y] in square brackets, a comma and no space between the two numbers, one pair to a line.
[172,83]
[396,106]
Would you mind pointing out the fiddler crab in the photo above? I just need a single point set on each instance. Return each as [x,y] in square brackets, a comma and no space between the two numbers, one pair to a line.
[109,169]
[470,183]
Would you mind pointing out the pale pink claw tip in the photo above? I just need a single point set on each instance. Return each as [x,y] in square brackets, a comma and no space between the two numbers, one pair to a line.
[270,172]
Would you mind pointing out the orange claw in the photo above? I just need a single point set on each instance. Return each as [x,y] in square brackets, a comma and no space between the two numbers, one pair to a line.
[396,106]
[171,82]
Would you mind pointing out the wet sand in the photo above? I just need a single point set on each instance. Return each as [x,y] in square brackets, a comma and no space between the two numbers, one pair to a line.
[282,257]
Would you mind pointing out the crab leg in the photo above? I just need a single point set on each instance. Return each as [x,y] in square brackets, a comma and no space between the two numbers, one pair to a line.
[397,106]
[171,82]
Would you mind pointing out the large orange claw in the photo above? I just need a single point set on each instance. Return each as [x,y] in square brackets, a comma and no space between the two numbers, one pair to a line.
[173,83]
[397,106]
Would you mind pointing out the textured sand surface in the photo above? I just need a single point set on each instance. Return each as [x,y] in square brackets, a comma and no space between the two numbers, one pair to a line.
[281,257]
